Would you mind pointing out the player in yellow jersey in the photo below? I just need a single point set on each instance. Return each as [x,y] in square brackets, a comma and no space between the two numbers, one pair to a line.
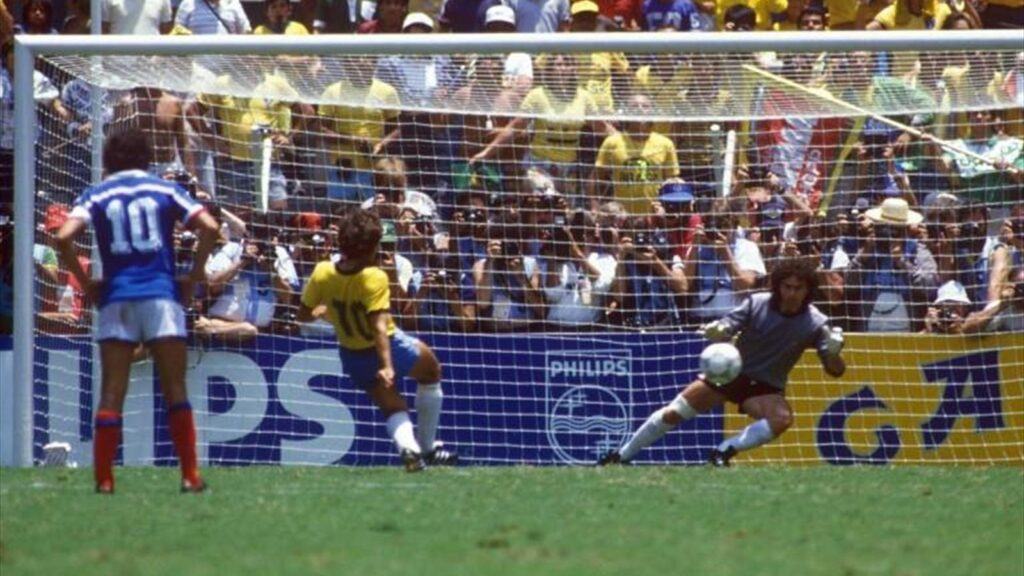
[353,295]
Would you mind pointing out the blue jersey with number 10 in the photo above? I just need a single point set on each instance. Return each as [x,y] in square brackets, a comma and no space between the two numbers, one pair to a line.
[133,215]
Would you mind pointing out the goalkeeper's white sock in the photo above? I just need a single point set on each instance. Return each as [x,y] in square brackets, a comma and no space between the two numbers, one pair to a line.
[752,436]
[651,430]
[428,412]
[400,429]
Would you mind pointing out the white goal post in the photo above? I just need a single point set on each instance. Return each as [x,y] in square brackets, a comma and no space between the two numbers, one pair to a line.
[28,49]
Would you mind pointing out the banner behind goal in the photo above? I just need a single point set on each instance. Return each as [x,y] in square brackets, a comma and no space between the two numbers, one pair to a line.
[560,217]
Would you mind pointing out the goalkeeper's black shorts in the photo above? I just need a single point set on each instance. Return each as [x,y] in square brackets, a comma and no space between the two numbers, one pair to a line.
[742,388]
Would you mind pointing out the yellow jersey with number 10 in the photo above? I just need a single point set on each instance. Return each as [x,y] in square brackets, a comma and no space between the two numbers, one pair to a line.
[350,299]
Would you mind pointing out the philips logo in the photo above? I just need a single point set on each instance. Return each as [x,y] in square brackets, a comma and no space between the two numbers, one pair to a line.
[589,367]
[588,399]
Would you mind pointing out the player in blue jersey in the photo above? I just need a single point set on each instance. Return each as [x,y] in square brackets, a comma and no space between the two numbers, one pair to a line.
[134,215]
[774,328]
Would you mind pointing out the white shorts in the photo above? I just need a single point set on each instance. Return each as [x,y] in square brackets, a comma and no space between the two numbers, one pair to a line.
[141,320]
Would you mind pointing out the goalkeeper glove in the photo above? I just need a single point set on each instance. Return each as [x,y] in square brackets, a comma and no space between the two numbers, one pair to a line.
[716,331]
[835,342]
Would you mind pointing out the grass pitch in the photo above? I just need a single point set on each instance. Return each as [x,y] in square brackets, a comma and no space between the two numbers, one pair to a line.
[529,521]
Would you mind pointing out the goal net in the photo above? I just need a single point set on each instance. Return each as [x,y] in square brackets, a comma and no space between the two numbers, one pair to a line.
[559,219]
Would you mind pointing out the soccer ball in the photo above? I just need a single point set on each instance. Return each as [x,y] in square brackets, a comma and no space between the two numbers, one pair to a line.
[720,363]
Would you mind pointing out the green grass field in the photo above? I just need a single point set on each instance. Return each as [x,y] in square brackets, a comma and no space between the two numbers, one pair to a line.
[530,521]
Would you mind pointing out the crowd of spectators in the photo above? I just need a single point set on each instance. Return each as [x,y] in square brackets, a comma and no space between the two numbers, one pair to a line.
[542,214]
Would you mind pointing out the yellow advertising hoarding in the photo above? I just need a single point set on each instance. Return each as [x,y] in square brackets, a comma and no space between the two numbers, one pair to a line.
[905,399]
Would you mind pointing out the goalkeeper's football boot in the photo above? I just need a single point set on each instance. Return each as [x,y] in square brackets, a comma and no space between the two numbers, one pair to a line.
[440,457]
[611,458]
[105,487]
[193,486]
[720,458]
[412,461]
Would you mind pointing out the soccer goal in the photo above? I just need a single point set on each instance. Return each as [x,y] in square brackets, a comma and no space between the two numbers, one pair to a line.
[561,214]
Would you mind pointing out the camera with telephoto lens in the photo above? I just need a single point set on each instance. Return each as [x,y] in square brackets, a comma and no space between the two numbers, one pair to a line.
[946,315]
[884,235]
[187,241]
[444,267]
[509,251]
[263,257]
[713,225]
[187,181]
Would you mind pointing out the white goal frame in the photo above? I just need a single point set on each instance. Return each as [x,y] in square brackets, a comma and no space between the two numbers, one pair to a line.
[28,48]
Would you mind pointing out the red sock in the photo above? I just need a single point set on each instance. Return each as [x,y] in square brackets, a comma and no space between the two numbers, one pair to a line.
[183,433]
[106,439]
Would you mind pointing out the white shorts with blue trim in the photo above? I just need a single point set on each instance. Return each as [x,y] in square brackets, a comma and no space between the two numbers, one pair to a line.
[141,320]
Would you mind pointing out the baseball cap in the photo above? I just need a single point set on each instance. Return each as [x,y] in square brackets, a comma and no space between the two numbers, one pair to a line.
[583,7]
[675,191]
[952,291]
[417,18]
[860,206]
[500,13]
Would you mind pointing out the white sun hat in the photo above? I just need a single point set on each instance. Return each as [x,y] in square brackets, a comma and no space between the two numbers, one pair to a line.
[952,291]
[895,211]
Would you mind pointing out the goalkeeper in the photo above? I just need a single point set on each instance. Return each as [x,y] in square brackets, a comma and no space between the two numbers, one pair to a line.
[774,330]
[353,295]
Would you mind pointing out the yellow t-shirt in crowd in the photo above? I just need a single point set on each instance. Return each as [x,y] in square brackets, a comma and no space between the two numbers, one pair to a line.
[292,29]
[664,94]
[763,8]
[638,168]
[379,104]
[350,299]
[271,103]
[232,115]
[595,74]
[897,17]
[557,123]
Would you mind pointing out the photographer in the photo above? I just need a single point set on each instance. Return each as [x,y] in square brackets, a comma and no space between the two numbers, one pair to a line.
[958,239]
[313,245]
[1005,309]
[441,301]
[724,265]
[649,287]
[576,281]
[247,280]
[892,272]
[400,272]
[507,284]
[1006,257]
[948,313]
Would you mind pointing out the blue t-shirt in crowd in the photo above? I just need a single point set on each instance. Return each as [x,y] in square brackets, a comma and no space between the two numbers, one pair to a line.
[677,14]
